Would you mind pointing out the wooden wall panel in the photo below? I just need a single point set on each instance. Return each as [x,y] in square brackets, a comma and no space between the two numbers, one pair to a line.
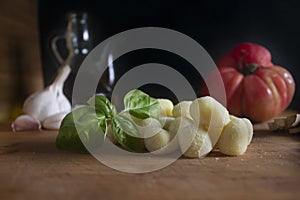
[20,64]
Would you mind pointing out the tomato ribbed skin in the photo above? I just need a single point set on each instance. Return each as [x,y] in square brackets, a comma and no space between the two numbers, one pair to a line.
[255,88]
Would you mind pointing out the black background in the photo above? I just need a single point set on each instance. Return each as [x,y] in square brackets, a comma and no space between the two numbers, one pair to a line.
[216,25]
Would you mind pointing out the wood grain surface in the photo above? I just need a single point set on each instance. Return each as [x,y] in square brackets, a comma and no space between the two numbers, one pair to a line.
[32,168]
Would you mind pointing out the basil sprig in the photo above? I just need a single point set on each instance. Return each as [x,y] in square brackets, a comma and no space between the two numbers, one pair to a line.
[92,121]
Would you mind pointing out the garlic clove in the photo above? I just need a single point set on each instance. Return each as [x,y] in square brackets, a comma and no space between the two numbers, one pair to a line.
[54,121]
[26,123]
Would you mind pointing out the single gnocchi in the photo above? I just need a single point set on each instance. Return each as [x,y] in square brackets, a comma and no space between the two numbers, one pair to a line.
[236,136]
[166,107]
[179,123]
[166,121]
[194,142]
[182,109]
[148,127]
[207,112]
[163,142]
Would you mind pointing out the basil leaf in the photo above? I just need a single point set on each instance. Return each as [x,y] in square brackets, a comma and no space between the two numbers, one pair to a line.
[85,122]
[141,105]
[102,106]
[127,134]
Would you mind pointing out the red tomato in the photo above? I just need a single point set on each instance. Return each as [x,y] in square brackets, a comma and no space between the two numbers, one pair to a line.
[255,88]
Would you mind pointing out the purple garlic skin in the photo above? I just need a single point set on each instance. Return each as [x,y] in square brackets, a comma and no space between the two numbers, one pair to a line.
[25,123]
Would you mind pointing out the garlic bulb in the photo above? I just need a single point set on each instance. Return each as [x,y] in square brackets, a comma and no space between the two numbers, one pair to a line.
[49,102]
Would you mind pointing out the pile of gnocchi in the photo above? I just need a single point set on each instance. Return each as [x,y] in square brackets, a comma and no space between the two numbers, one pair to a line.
[195,127]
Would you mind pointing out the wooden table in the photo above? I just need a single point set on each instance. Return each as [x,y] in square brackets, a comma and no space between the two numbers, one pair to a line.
[32,168]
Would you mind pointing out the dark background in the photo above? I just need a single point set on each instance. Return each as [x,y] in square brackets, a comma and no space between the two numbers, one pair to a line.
[216,25]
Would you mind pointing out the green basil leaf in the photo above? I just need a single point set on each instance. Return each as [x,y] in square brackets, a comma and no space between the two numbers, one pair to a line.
[102,106]
[127,134]
[141,105]
[85,122]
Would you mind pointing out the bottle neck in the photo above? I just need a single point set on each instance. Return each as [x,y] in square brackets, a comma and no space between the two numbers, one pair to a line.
[77,35]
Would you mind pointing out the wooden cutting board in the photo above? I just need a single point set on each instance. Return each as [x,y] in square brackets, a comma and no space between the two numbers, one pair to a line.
[32,168]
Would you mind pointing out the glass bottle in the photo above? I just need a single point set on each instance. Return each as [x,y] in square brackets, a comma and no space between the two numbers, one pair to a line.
[78,44]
